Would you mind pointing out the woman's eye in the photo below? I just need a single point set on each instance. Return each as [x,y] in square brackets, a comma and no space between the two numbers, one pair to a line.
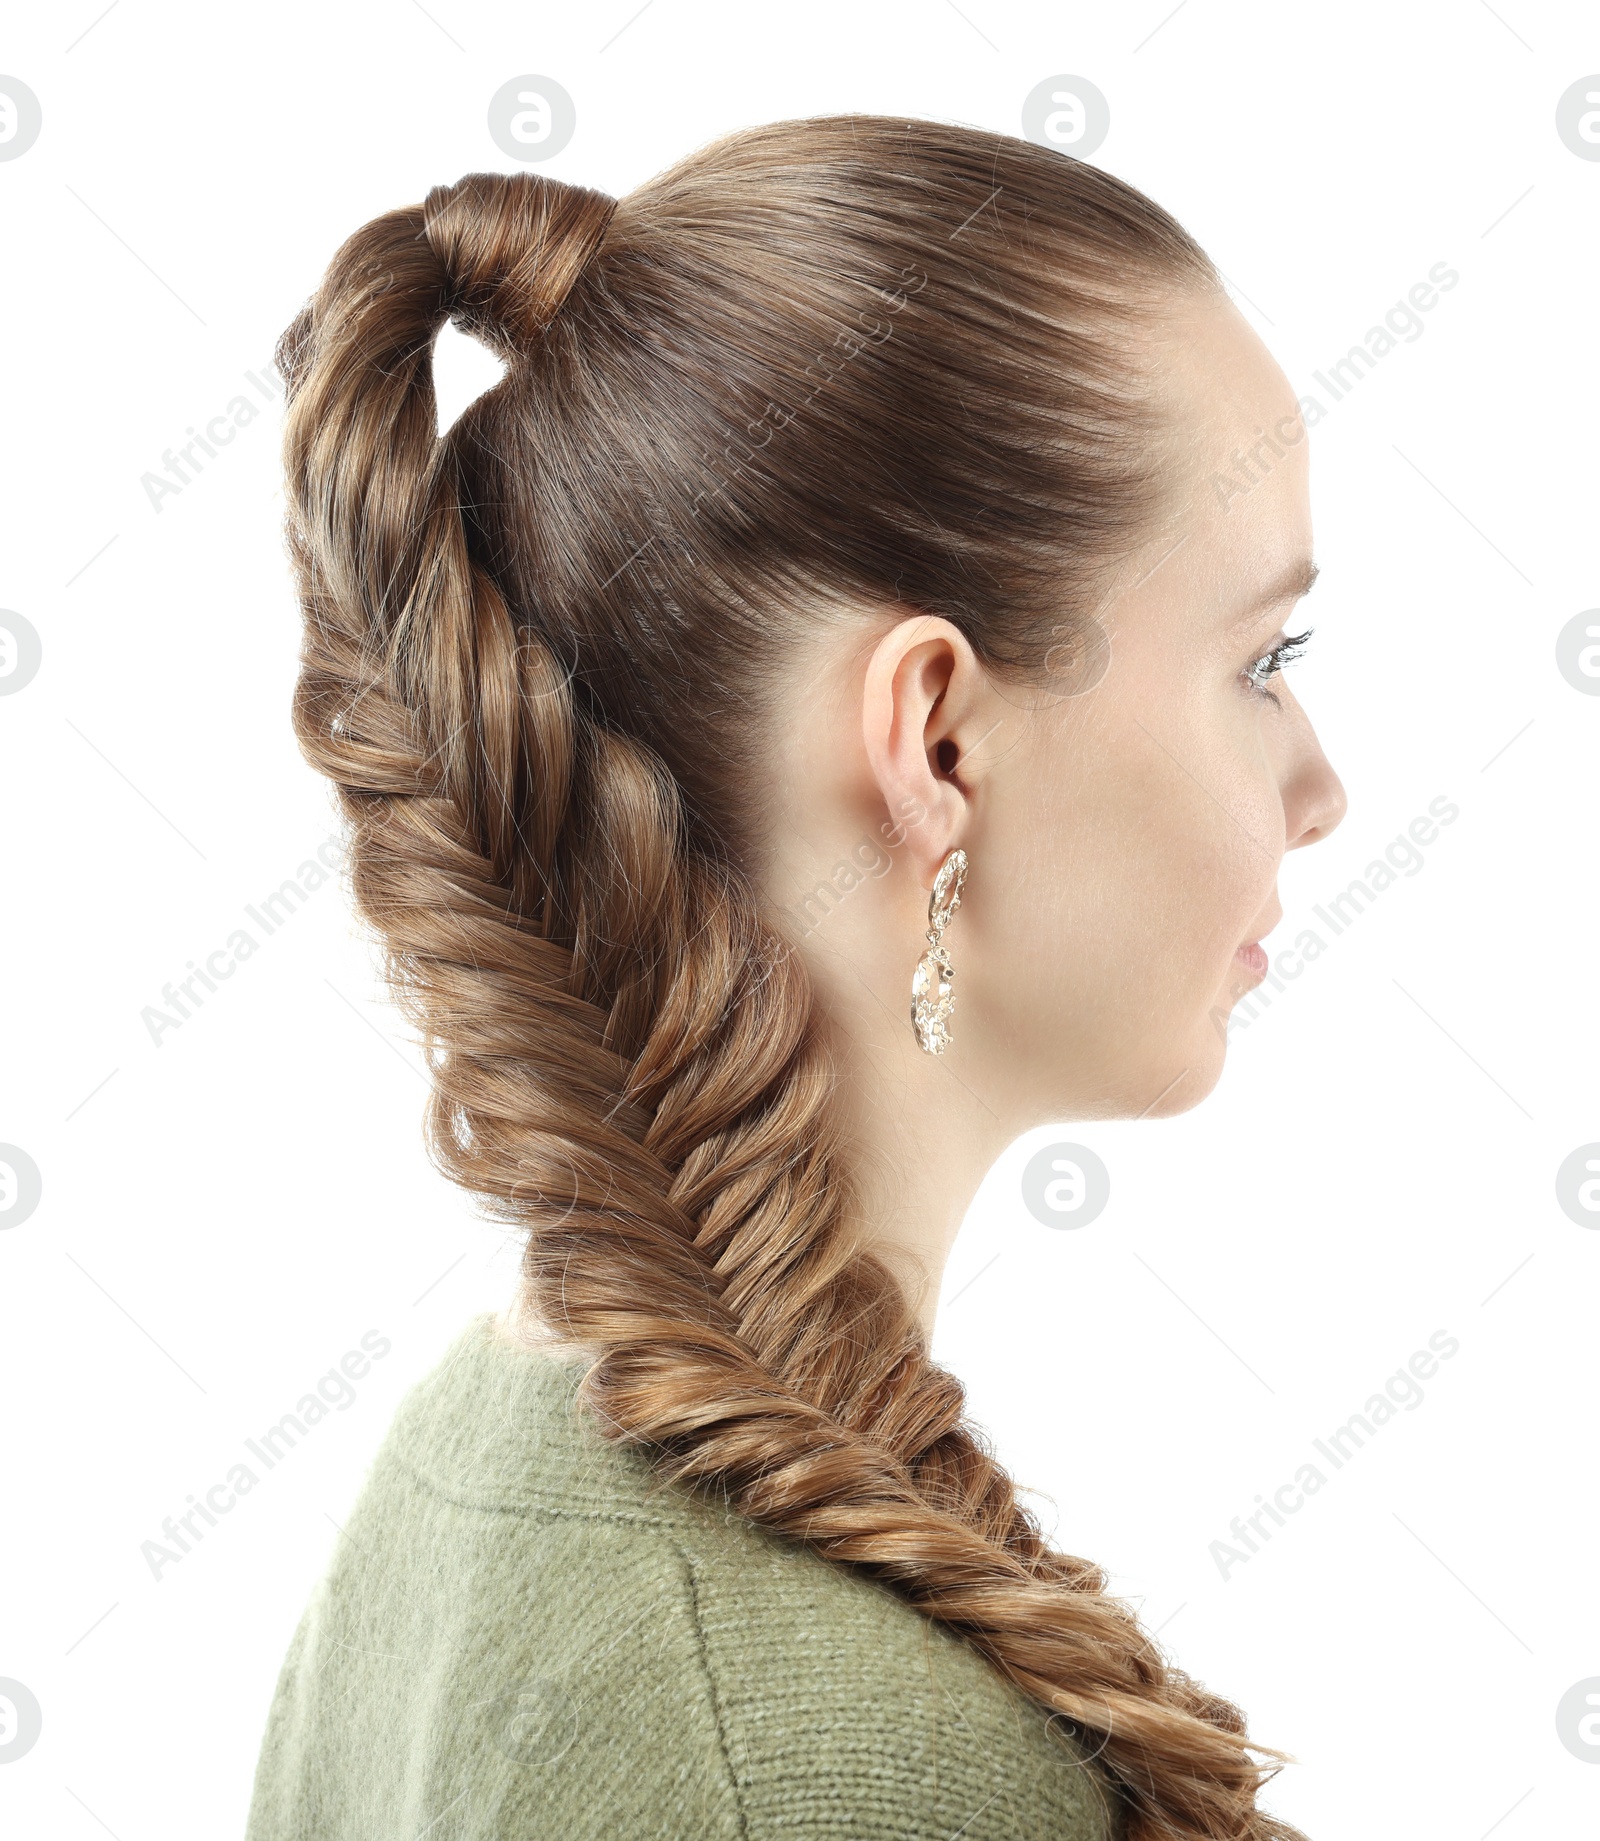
[1258,675]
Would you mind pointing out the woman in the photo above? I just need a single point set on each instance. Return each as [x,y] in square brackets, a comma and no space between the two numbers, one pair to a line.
[863,593]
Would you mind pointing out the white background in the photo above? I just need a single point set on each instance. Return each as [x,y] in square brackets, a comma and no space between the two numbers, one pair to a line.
[224,1215]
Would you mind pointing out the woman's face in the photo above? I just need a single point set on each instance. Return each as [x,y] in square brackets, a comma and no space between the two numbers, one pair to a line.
[1141,821]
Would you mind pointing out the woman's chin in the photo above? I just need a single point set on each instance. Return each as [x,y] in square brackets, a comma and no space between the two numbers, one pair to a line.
[1184,1086]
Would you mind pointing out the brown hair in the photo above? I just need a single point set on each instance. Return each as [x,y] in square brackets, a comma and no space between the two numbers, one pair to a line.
[818,365]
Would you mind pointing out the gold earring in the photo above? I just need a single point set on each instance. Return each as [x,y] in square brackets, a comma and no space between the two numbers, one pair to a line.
[932,1000]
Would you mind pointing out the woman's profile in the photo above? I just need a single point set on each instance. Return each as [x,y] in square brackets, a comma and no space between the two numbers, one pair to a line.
[814,719]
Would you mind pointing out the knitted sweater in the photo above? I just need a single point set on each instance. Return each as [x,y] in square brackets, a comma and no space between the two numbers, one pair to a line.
[524,1635]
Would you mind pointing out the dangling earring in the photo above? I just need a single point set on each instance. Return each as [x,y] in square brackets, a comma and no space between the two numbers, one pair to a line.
[932,1000]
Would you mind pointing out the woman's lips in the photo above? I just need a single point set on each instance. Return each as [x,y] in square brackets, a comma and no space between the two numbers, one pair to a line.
[1253,956]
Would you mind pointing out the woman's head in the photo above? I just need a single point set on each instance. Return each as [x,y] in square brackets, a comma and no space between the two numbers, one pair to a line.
[849,488]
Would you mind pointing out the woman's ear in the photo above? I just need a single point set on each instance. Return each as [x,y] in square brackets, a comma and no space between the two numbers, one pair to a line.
[924,710]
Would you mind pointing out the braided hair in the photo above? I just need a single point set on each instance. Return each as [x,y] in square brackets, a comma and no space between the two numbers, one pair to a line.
[537,648]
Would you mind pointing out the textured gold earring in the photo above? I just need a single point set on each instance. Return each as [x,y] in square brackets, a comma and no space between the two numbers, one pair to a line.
[932,1000]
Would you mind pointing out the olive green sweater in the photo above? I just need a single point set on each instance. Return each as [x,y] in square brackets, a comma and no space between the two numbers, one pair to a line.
[523,1634]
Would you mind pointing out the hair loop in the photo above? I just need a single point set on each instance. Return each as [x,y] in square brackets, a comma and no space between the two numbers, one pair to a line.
[512,246]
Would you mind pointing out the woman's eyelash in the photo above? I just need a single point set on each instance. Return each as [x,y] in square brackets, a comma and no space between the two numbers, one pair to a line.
[1274,661]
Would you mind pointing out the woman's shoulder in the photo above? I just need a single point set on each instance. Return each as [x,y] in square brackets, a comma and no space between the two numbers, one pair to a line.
[842,1705]
[499,1424]
[599,1653]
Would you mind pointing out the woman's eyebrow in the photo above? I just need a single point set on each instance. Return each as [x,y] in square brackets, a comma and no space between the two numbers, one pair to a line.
[1293,583]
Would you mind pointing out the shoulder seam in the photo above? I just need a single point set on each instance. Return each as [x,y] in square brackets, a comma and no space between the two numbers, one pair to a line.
[533,1506]
[691,1568]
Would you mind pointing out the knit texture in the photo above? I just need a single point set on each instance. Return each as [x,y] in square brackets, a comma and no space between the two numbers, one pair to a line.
[523,1633]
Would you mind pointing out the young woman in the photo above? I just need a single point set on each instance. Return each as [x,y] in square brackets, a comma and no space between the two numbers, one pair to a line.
[814,719]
